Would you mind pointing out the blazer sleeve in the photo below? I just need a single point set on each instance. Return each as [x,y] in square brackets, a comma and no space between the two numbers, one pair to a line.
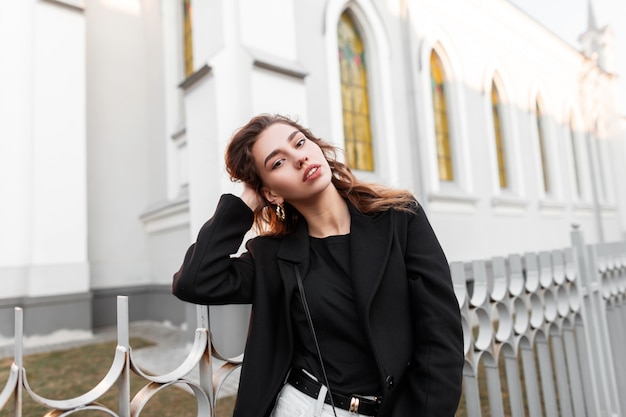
[435,373]
[209,274]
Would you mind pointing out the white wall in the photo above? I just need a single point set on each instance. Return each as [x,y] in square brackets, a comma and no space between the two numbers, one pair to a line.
[121,125]
[16,116]
[43,178]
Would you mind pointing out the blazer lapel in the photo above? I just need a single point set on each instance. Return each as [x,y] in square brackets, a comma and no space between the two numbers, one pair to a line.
[294,251]
[370,244]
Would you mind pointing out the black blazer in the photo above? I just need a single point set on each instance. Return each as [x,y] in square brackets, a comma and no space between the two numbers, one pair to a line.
[403,292]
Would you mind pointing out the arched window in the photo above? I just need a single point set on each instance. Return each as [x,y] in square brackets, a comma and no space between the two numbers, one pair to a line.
[354,96]
[187,37]
[542,146]
[575,153]
[442,133]
[496,110]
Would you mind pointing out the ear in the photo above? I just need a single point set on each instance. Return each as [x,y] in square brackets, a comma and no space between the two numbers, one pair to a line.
[271,197]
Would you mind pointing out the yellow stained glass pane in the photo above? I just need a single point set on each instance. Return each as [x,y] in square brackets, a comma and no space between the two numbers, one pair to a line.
[442,136]
[363,146]
[542,148]
[354,96]
[497,126]
[348,124]
[187,37]
[346,98]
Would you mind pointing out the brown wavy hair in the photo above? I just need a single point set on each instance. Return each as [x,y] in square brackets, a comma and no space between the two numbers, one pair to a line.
[366,197]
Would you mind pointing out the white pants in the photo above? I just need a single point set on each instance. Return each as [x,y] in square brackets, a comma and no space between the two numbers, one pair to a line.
[293,403]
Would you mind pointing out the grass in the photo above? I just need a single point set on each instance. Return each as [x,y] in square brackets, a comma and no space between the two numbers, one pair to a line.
[69,373]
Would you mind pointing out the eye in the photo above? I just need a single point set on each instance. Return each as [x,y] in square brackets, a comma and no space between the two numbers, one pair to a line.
[278,163]
[300,142]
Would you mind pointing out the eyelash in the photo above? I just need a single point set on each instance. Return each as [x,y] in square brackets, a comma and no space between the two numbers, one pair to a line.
[299,144]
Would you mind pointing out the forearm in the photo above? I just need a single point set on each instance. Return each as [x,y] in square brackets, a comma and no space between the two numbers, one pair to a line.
[209,275]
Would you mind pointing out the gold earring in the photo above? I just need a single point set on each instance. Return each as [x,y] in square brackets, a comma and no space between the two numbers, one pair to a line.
[280,212]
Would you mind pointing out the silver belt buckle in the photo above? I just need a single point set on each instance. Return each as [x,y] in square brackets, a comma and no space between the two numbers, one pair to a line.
[354,405]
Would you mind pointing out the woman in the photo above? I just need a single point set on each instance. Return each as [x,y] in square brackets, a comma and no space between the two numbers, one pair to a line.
[350,290]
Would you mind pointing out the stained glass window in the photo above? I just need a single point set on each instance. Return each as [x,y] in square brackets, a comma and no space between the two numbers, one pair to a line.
[442,132]
[542,148]
[496,109]
[354,96]
[187,37]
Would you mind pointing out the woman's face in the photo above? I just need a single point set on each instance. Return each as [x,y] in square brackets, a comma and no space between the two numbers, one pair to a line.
[292,167]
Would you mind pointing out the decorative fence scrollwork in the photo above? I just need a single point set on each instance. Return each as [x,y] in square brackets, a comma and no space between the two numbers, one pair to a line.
[201,354]
[544,332]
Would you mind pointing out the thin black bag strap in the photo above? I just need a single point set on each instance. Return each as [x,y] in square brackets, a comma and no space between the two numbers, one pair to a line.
[307,313]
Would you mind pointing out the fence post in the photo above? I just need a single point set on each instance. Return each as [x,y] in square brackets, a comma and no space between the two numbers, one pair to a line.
[19,359]
[206,363]
[597,340]
[123,339]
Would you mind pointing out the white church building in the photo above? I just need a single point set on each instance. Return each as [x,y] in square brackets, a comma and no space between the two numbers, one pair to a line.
[114,117]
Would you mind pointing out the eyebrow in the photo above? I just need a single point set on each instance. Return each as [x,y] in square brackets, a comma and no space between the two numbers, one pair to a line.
[274,152]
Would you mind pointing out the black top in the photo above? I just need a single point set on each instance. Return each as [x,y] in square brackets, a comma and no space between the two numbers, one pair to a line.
[346,352]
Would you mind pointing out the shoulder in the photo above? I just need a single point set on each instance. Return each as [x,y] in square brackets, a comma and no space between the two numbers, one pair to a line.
[408,218]
[407,210]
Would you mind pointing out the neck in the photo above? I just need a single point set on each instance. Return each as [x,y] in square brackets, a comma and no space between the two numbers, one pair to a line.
[327,215]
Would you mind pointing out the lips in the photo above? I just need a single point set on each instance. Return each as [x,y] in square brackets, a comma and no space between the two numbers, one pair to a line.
[310,172]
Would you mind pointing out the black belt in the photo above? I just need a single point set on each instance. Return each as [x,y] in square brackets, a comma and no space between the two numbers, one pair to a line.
[355,403]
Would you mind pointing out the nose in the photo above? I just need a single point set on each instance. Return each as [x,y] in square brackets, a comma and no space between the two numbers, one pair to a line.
[301,160]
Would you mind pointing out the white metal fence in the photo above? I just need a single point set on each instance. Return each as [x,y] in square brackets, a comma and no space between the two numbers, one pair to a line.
[544,336]
[546,331]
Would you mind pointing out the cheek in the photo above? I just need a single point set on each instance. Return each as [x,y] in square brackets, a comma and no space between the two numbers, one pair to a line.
[282,179]
[320,153]
[273,180]
[284,184]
